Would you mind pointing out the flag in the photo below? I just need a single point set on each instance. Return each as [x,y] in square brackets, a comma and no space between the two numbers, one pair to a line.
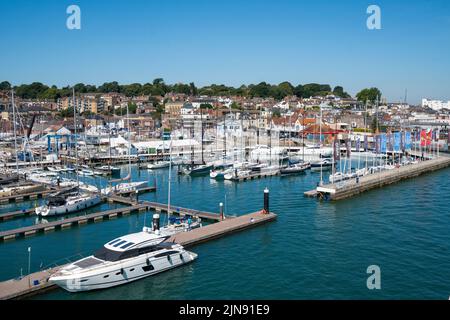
[358,144]
[377,143]
[396,141]
[337,150]
[389,143]
[366,143]
[408,143]
[349,146]
[383,143]
[425,137]
[402,141]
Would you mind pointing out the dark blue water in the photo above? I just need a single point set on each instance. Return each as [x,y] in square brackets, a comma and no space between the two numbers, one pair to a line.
[315,250]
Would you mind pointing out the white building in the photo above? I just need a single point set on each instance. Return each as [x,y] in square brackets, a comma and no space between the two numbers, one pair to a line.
[435,104]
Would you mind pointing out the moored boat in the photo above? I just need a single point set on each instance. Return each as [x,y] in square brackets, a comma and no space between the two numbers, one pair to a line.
[123,260]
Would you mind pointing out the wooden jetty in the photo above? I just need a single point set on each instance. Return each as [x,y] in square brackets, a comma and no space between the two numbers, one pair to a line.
[26,196]
[38,282]
[350,188]
[219,229]
[16,214]
[69,222]
[256,175]
[132,207]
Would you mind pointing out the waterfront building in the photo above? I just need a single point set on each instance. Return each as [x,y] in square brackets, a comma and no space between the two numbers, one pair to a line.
[435,104]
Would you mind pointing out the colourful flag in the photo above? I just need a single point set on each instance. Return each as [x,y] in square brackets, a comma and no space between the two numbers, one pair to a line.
[383,143]
[408,142]
[358,144]
[390,146]
[425,137]
[396,141]
[366,143]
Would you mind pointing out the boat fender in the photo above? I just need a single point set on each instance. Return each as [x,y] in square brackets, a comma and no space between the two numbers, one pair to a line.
[148,261]
[122,271]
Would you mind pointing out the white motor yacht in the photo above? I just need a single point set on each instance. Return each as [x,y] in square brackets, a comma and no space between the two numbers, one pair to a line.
[122,260]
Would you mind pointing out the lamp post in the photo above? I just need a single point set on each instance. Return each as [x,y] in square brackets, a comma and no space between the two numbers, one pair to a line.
[29,266]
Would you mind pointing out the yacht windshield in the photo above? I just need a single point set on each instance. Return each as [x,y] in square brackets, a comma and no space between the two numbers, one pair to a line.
[111,255]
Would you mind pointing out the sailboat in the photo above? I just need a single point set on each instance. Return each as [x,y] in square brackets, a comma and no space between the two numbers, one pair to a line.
[125,187]
[158,165]
[198,170]
[76,200]
[176,225]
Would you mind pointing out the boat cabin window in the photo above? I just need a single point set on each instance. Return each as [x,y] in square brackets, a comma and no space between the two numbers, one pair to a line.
[148,268]
[129,244]
[163,254]
[119,243]
[111,255]
[114,241]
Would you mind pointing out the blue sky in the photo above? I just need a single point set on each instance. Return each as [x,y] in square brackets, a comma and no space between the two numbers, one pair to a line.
[231,42]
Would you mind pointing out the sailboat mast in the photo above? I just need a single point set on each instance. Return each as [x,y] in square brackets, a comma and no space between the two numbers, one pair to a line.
[170,178]
[201,121]
[75,132]
[129,143]
[15,133]
[320,144]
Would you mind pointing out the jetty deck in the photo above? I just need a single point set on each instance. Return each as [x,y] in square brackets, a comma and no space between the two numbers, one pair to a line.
[27,196]
[222,228]
[350,188]
[16,214]
[38,282]
[256,175]
[132,207]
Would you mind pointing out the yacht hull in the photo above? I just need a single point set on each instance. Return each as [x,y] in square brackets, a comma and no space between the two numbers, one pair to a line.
[122,272]
[69,208]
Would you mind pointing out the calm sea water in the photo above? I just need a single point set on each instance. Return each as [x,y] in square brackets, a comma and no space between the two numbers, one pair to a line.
[315,250]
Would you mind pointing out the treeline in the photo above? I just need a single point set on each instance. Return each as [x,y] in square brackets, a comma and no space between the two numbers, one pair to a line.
[158,87]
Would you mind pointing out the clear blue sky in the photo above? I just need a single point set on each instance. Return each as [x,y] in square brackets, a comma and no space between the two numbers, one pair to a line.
[232,42]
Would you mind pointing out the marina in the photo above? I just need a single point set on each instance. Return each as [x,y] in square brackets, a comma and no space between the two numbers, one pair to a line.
[39,281]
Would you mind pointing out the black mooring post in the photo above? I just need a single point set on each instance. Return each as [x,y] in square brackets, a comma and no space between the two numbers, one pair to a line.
[266,201]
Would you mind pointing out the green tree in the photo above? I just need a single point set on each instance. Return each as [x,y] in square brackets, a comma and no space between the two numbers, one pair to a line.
[236,106]
[66,113]
[339,91]
[206,106]
[52,94]
[299,92]
[5,85]
[369,95]
[261,90]
[108,87]
[193,89]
